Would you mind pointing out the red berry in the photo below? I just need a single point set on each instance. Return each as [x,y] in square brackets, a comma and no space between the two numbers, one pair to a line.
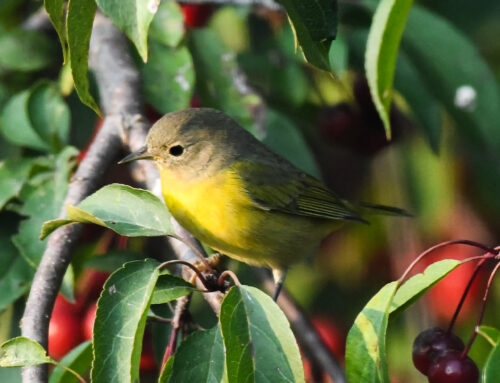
[88,321]
[431,344]
[451,367]
[64,328]
[196,15]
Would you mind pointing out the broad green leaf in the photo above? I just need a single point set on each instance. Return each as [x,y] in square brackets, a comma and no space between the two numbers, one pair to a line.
[79,360]
[133,17]
[381,53]
[49,115]
[14,173]
[424,106]
[43,201]
[79,21]
[260,346]
[491,334]
[283,137]
[200,358]
[15,272]
[168,77]
[417,285]
[120,321]
[216,67]
[454,72]
[16,125]
[55,10]
[339,55]
[170,287]
[315,27]
[124,209]
[22,351]
[491,370]
[25,50]
[365,348]
[168,24]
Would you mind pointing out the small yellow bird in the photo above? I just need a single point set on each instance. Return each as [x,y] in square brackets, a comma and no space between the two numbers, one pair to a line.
[237,196]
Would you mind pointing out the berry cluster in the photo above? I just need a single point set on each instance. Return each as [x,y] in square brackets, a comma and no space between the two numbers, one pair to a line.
[439,355]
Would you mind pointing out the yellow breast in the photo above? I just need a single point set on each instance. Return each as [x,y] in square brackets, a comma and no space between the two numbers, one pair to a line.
[213,209]
[218,211]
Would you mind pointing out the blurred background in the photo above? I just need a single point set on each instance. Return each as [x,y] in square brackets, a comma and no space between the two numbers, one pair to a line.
[442,165]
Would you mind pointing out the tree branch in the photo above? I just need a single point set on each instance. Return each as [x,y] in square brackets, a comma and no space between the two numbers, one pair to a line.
[119,91]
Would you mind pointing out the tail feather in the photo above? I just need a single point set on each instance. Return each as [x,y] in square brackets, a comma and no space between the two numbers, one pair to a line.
[370,208]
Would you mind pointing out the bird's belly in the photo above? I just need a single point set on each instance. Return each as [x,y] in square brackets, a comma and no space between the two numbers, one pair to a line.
[219,212]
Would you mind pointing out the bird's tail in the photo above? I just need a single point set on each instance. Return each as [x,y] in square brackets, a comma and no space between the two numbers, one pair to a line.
[365,208]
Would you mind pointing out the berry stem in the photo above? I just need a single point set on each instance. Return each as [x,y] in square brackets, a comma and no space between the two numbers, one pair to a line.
[443,244]
[481,312]
[464,295]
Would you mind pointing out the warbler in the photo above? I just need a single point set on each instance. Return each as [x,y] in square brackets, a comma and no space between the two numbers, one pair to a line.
[239,197]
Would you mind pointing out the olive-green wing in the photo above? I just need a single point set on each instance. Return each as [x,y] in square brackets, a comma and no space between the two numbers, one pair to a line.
[285,189]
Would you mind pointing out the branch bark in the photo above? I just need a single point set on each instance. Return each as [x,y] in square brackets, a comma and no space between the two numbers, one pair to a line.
[120,97]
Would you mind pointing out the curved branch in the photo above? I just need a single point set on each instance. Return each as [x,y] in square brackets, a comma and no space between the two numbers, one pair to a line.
[120,97]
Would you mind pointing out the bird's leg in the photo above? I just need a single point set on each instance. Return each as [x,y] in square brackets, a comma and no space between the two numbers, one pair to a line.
[279,276]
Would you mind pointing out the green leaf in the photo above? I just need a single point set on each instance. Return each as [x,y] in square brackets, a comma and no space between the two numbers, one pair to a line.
[133,17]
[15,272]
[170,287]
[417,285]
[315,27]
[121,208]
[260,346]
[80,19]
[200,358]
[452,69]
[215,65]
[55,9]
[14,173]
[49,115]
[16,124]
[424,106]
[491,370]
[381,53]
[365,348]
[284,138]
[25,50]
[79,360]
[491,334]
[43,201]
[168,24]
[168,77]
[167,370]
[22,351]
[120,321]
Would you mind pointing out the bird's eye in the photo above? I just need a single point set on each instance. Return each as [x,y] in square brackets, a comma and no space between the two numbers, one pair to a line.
[176,150]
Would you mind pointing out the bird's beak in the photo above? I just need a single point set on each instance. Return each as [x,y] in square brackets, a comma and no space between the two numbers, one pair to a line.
[141,154]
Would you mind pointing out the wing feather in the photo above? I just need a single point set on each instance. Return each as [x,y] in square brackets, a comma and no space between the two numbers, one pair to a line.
[286,189]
